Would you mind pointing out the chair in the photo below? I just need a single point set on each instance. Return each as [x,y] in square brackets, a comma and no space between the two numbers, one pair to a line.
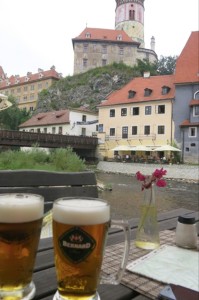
[51,185]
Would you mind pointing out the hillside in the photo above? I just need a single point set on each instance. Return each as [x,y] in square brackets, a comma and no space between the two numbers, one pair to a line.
[88,88]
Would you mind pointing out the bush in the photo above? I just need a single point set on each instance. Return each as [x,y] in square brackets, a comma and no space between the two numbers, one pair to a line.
[37,159]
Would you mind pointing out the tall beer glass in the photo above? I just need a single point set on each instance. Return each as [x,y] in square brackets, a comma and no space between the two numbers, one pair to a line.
[20,226]
[80,227]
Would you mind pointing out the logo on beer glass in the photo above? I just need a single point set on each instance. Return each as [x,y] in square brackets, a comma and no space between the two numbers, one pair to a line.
[76,244]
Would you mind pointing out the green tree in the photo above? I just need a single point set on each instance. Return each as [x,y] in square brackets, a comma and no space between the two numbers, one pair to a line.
[144,66]
[12,117]
[166,65]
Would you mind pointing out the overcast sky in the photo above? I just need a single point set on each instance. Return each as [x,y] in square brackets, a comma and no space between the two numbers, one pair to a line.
[38,34]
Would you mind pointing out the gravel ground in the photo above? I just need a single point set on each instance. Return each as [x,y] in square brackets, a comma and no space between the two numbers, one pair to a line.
[183,172]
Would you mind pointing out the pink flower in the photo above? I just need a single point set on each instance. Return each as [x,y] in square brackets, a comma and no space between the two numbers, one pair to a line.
[156,177]
[140,177]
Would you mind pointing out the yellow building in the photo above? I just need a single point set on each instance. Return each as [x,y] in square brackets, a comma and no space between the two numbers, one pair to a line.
[140,114]
[25,89]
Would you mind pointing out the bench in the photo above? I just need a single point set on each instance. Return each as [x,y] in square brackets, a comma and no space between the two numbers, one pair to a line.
[51,185]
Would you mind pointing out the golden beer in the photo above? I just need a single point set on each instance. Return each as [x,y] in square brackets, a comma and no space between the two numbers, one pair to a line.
[80,228]
[20,227]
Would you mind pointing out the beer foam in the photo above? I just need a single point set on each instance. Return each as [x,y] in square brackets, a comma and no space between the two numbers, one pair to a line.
[81,211]
[19,208]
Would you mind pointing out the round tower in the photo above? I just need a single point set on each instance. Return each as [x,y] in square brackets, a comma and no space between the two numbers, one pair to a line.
[129,16]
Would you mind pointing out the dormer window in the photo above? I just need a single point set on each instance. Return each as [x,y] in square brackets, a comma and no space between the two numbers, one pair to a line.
[131,94]
[119,37]
[147,92]
[165,90]
[88,35]
[40,75]
[27,78]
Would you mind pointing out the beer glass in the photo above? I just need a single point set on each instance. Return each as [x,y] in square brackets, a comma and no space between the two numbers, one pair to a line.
[20,225]
[80,228]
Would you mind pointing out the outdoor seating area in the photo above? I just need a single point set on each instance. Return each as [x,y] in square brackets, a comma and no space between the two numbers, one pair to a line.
[52,185]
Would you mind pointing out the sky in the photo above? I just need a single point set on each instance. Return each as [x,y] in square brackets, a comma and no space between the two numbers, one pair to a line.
[38,34]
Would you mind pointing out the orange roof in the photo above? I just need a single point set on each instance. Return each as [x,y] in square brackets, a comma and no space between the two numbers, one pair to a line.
[187,123]
[48,118]
[41,75]
[98,34]
[138,85]
[187,65]
[194,102]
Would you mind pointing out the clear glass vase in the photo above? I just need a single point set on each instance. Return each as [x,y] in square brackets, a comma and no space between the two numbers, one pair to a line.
[147,236]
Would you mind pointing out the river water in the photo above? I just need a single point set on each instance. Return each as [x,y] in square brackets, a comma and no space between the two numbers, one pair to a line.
[126,195]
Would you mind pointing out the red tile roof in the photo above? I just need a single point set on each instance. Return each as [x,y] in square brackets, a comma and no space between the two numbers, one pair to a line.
[48,118]
[187,65]
[139,84]
[194,102]
[187,123]
[98,34]
[41,75]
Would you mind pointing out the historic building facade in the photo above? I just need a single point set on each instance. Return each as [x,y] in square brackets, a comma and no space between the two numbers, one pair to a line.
[25,89]
[96,47]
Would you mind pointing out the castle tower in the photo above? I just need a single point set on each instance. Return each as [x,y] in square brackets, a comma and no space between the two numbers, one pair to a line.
[129,16]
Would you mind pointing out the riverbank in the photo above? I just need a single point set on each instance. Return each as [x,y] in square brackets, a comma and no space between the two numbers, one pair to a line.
[181,172]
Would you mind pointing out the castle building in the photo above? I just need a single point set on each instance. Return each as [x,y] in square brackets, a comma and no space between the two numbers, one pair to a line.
[96,47]
[26,88]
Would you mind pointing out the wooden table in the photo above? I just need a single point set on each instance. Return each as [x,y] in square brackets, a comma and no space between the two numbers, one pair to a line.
[44,273]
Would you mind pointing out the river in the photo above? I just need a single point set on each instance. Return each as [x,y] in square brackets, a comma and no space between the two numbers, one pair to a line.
[126,194]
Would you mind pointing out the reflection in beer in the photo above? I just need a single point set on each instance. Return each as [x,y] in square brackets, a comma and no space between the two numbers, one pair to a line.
[79,231]
[20,226]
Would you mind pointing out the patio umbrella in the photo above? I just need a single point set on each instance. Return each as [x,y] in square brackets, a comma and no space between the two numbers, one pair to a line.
[142,148]
[122,148]
[4,103]
[167,148]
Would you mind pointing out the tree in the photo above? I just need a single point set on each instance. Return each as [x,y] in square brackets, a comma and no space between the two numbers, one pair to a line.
[166,65]
[144,66]
[12,117]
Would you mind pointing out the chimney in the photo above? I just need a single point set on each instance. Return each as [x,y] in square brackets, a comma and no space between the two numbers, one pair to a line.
[153,43]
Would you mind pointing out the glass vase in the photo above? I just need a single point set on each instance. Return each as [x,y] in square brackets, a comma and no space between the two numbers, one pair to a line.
[147,235]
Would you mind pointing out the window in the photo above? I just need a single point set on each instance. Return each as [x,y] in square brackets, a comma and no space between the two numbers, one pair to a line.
[134,130]
[25,98]
[39,86]
[147,110]
[104,49]
[54,130]
[32,96]
[85,47]
[147,129]
[121,50]
[112,131]
[112,113]
[125,132]
[87,35]
[123,112]
[192,132]
[104,62]
[45,130]
[135,111]
[131,14]
[165,90]
[38,130]
[83,118]
[32,87]
[19,90]
[31,108]
[83,132]
[85,62]
[160,109]
[100,128]
[196,111]
[131,94]
[60,130]
[119,37]
[25,88]
[161,129]
[147,92]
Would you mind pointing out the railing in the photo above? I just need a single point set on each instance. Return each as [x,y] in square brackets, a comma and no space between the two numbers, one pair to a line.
[22,138]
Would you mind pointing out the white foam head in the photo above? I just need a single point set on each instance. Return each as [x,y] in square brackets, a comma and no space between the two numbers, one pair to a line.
[81,211]
[19,208]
